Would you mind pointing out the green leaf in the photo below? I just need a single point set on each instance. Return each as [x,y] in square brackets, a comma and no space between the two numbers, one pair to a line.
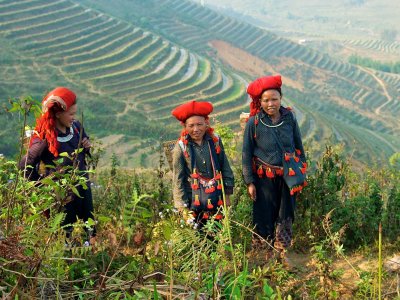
[64,154]
[91,222]
[15,107]
[104,219]
[56,222]
[155,294]
[75,191]
[167,231]
[48,181]
[268,291]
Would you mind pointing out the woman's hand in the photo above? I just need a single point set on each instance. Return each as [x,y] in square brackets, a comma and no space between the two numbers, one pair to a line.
[251,188]
[86,143]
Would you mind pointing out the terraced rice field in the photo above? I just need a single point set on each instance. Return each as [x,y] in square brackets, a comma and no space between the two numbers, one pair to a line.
[148,72]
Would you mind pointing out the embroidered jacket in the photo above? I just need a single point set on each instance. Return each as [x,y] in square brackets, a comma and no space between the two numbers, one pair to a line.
[38,151]
[260,141]
[182,191]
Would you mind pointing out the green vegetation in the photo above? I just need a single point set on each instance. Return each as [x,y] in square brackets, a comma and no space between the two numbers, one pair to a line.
[145,250]
[393,67]
[131,62]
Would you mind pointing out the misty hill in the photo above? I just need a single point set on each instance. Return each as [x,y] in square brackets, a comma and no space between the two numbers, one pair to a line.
[131,62]
[340,19]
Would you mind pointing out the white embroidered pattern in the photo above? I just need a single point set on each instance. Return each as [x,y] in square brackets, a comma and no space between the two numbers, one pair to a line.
[63,139]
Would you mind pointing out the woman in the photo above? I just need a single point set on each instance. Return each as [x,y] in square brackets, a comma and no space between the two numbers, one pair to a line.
[270,132]
[56,132]
[201,171]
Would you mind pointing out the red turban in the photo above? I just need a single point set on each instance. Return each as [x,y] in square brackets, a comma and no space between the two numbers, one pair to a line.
[46,124]
[192,108]
[64,97]
[258,86]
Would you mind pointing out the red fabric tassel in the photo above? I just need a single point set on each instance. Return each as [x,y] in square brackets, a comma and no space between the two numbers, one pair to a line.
[291,172]
[296,159]
[287,157]
[196,200]
[304,165]
[291,192]
[298,152]
[269,173]
[219,217]
[305,183]
[195,175]
[218,176]
[219,186]
[260,172]
[218,149]
[205,216]
[279,172]
[303,170]
[209,205]
[220,202]
[186,154]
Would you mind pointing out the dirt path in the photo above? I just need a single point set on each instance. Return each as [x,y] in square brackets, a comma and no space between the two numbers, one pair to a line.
[383,86]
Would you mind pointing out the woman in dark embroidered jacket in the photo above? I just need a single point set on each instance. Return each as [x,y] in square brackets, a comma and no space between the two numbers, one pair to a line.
[56,132]
[270,132]
[201,171]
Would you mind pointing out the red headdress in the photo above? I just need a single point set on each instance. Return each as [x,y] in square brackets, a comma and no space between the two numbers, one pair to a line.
[59,99]
[258,86]
[192,108]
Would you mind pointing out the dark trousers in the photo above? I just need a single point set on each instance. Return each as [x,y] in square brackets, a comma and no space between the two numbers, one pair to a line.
[80,207]
[273,210]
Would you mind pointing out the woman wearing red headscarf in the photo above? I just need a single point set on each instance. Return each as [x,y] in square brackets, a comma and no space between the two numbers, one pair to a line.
[273,202]
[56,132]
[201,171]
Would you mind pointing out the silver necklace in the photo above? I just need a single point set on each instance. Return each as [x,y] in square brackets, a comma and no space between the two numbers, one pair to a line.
[271,126]
[63,139]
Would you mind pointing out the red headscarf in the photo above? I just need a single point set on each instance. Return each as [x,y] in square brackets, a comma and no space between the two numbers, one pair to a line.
[190,109]
[258,86]
[59,99]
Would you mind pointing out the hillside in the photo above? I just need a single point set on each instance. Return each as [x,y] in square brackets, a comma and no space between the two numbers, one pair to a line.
[370,28]
[131,62]
[316,18]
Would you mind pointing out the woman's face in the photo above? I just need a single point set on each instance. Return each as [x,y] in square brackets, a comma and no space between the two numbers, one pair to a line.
[64,119]
[196,126]
[271,102]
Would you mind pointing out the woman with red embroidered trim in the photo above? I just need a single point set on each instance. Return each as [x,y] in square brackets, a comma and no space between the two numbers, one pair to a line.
[56,132]
[201,171]
[273,202]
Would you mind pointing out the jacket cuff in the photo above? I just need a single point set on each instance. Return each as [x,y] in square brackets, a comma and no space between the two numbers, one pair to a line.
[248,180]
